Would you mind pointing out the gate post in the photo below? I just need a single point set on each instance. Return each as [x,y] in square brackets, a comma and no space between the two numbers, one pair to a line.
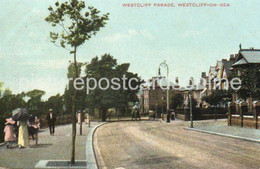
[231,110]
[256,109]
[243,108]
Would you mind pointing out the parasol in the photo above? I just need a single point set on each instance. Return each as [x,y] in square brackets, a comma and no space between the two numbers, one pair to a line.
[20,115]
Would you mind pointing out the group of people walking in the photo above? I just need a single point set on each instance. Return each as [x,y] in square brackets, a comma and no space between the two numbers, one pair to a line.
[16,132]
[21,126]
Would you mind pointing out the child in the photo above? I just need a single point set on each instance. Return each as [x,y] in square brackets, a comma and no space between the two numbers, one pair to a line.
[9,132]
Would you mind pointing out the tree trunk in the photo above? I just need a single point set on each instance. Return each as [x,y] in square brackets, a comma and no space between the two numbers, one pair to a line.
[74,128]
[104,114]
[81,119]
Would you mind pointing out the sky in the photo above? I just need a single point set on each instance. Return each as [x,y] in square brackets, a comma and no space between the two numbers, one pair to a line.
[189,39]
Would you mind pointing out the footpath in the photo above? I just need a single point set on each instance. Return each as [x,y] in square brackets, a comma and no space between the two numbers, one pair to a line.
[57,147]
[221,128]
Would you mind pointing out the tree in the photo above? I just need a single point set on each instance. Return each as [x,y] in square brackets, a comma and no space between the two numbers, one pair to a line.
[1,88]
[76,29]
[107,67]
[250,86]
[216,97]
[177,101]
[55,103]
[35,105]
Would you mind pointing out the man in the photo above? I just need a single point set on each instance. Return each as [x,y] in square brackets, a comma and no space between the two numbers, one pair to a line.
[51,119]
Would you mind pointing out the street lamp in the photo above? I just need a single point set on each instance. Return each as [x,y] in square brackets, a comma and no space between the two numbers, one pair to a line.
[191,116]
[190,97]
[164,65]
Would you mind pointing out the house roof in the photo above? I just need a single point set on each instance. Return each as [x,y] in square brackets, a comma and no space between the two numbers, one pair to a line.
[251,56]
[212,70]
[240,62]
[247,57]
[219,65]
[227,66]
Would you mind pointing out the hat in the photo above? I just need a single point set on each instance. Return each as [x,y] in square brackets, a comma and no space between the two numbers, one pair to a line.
[9,121]
[50,110]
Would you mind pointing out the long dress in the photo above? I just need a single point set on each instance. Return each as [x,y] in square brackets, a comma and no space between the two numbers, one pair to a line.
[23,138]
[9,133]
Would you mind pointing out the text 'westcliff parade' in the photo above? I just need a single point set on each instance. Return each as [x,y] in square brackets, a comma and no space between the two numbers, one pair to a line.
[173,5]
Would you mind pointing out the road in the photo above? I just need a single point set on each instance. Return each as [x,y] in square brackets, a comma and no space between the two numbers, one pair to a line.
[160,145]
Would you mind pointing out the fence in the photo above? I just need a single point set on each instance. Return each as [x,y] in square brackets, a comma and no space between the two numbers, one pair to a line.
[201,113]
[239,114]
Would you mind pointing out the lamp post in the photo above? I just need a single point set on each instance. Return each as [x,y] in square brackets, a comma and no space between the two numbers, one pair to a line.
[164,65]
[191,116]
[190,97]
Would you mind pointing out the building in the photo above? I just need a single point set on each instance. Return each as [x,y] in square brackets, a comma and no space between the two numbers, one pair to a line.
[244,59]
[155,94]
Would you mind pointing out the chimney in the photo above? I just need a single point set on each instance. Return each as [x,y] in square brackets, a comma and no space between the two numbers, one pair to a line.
[191,81]
[232,57]
[203,74]
[177,80]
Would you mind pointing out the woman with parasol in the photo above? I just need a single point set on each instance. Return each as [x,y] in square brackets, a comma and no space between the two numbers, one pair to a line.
[22,117]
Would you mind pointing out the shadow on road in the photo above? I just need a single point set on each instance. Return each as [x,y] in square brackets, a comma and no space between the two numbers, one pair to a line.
[40,145]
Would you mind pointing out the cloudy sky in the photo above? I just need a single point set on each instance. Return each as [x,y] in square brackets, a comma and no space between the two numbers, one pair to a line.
[189,39]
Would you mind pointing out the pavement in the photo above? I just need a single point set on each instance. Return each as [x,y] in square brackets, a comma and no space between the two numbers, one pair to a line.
[221,128]
[150,144]
[56,147]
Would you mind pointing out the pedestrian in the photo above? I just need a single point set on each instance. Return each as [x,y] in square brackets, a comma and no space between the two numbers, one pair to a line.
[79,117]
[23,136]
[9,133]
[51,119]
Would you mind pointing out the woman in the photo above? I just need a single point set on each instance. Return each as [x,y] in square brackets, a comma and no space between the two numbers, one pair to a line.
[23,138]
[9,132]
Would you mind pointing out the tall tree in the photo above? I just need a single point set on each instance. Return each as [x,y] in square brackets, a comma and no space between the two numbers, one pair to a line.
[55,103]
[77,26]
[107,67]
[35,105]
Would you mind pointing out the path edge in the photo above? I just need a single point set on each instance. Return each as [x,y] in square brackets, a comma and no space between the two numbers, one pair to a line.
[91,154]
[224,135]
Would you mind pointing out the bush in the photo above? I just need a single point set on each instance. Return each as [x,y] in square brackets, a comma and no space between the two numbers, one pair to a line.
[2,126]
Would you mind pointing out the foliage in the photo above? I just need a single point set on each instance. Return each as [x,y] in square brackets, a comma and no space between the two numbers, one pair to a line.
[69,90]
[80,27]
[35,105]
[1,88]
[55,103]
[107,67]
[250,83]
[216,97]
[177,101]
[77,26]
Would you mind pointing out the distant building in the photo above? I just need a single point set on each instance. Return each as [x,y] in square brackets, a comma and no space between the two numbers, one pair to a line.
[155,94]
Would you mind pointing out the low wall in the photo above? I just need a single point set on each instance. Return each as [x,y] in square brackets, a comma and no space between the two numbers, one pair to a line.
[248,121]
[201,114]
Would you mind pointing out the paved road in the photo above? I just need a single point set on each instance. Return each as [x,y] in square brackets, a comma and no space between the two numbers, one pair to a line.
[56,147]
[159,145]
